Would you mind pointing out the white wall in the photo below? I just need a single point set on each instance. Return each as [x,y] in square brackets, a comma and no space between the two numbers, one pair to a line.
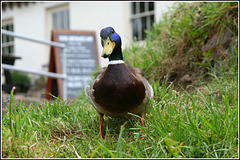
[161,7]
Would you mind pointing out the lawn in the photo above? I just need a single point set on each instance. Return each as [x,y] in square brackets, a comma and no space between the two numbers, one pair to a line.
[197,120]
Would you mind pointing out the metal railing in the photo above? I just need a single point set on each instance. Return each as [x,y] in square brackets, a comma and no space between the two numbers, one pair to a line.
[62,76]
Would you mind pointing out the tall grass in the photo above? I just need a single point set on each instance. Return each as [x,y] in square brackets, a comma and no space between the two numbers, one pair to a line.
[205,122]
[202,123]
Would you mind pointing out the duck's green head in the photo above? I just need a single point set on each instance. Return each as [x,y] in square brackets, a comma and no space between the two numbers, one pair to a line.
[111,43]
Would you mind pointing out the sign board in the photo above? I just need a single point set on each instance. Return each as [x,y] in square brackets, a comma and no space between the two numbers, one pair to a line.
[81,61]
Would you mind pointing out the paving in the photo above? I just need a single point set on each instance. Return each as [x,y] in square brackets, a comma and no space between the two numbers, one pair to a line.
[33,95]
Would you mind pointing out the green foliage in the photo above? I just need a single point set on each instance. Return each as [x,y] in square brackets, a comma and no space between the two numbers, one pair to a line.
[18,77]
[170,143]
[182,31]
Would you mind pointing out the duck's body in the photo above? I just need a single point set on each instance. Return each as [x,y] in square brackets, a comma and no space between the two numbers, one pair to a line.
[118,89]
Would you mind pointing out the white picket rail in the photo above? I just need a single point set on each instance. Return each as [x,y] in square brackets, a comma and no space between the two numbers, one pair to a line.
[63,76]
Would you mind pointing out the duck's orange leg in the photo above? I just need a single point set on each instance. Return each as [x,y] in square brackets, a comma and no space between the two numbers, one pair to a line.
[100,124]
[142,122]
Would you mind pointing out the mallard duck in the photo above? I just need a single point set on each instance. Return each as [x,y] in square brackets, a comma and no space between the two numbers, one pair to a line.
[118,89]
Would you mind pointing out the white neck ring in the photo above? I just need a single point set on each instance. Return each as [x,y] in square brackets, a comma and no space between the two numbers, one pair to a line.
[116,62]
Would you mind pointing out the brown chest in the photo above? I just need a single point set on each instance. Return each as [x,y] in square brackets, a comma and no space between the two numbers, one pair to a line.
[118,91]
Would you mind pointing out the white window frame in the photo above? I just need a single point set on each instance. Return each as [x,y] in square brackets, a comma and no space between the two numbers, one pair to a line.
[61,19]
[58,9]
[139,15]
[6,44]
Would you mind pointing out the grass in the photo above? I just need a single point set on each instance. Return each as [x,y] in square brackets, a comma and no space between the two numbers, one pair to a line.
[202,123]
[205,122]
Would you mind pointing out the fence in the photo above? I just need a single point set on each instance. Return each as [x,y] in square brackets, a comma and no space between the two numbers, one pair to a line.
[62,76]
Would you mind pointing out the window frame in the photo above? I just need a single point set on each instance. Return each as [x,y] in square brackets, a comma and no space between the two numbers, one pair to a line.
[8,41]
[62,19]
[138,16]
[50,16]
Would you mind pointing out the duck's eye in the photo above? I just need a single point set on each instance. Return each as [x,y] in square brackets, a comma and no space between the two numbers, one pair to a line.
[112,31]
[108,43]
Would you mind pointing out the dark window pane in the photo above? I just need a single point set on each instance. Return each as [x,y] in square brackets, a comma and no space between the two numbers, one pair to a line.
[135,28]
[133,6]
[7,38]
[3,50]
[150,6]
[11,39]
[144,26]
[55,20]
[4,38]
[152,20]
[142,7]
[13,49]
[10,49]
[12,28]
[68,19]
[62,19]
[6,50]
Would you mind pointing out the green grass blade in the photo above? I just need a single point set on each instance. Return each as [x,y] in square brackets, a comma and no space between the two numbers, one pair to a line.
[118,150]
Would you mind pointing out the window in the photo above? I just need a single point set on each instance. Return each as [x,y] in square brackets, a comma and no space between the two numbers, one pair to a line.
[142,18]
[7,41]
[61,19]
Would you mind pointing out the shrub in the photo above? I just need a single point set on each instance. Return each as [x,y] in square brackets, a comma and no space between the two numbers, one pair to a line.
[18,77]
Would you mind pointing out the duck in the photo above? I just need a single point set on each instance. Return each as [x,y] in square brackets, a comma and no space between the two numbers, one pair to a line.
[118,90]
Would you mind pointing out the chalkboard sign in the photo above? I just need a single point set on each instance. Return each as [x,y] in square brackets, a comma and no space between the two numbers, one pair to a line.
[81,61]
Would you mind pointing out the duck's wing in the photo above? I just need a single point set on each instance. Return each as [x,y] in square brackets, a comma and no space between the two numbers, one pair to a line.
[89,89]
[139,75]
[100,72]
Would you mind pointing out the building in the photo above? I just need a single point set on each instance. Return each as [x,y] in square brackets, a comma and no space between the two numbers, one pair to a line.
[37,19]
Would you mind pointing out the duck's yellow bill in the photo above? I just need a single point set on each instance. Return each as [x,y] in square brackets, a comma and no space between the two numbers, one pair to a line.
[107,47]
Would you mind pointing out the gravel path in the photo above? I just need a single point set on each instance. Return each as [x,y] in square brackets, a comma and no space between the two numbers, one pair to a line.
[36,95]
